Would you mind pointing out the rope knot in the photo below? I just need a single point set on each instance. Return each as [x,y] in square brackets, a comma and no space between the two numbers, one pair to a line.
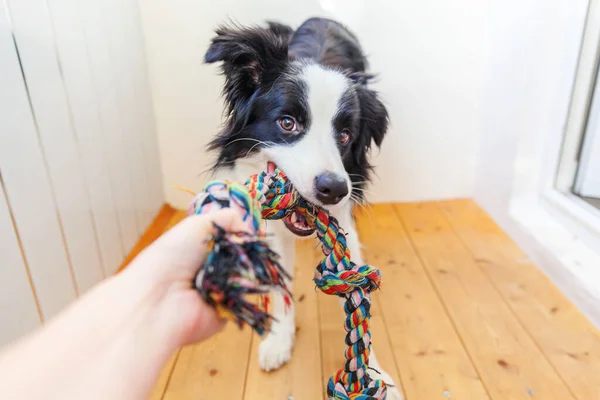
[375,391]
[338,283]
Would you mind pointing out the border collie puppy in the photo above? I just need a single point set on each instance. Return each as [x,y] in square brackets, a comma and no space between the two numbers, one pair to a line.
[299,99]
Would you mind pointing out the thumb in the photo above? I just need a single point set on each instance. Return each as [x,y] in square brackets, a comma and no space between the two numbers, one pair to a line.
[180,252]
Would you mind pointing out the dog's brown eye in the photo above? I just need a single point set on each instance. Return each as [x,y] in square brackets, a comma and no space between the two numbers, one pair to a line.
[344,136]
[287,124]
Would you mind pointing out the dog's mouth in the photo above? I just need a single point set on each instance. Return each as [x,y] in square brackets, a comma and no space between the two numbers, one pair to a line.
[297,224]
[295,221]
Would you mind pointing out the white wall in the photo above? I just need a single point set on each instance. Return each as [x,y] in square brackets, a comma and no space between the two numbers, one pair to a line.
[429,55]
[80,176]
[528,80]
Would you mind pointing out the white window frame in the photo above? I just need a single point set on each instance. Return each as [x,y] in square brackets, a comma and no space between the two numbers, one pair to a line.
[560,163]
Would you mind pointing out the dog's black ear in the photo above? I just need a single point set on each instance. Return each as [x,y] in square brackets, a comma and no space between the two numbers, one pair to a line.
[249,57]
[252,47]
[284,31]
[373,126]
[373,116]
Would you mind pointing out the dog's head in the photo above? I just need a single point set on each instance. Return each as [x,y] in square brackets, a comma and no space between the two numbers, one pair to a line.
[316,123]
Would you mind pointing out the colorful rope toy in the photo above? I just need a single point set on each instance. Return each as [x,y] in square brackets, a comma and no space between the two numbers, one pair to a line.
[242,265]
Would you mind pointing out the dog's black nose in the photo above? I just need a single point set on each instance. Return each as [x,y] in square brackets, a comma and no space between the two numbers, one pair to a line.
[330,188]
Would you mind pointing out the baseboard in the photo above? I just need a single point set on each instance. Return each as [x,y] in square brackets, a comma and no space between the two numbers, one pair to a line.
[563,258]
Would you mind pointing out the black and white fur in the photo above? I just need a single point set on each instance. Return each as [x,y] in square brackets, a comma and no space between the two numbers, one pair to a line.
[315,79]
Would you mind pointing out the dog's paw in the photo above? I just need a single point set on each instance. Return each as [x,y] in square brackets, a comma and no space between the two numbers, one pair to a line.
[275,350]
[393,391]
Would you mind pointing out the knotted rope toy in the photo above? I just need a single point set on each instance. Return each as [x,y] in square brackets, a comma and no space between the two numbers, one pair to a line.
[241,264]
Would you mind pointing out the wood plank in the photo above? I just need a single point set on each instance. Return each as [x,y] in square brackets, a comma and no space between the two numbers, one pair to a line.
[87,127]
[332,317]
[160,387]
[567,338]
[19,312]
[34,37]
[27,184]
[142,101]
[300,378]
[141,81]
[507,359]
[129,32]
[164,220]
[431,365]
[214,369]
[119,40]
[104,79]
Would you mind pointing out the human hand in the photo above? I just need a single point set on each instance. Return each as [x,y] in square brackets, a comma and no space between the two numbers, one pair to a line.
[169,267]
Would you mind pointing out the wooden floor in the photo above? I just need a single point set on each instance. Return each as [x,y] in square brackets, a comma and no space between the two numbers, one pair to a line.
[463,314]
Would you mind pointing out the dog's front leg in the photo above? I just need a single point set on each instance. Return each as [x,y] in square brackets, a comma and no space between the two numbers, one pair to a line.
[276,348]
[376,372]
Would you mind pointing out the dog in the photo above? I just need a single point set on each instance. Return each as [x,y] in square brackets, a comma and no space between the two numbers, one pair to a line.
[300,99]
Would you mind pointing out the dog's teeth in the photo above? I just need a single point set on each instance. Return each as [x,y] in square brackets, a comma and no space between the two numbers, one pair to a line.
[294,218]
